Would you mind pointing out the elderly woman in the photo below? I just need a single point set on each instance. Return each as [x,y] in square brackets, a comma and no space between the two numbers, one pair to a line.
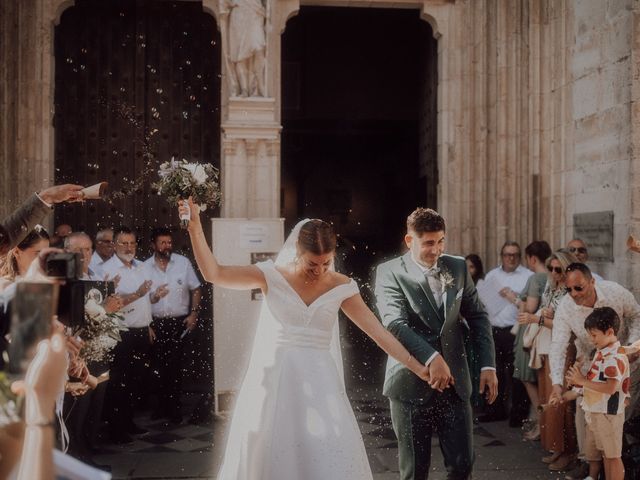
[557,424]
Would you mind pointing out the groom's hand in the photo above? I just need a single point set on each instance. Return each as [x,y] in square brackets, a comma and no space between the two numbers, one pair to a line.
[489,382]
[439,373]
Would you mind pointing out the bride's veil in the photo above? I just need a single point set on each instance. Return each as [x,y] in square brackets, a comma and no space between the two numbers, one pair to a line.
[287,256]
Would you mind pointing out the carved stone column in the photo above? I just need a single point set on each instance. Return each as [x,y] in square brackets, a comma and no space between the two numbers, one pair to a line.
[251,159]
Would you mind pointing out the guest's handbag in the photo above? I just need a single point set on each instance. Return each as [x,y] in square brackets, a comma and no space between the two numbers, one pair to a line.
[530,334]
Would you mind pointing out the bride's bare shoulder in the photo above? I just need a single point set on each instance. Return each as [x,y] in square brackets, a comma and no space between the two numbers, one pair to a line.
[340,278]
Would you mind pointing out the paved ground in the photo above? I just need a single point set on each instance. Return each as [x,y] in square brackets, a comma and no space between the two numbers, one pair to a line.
[188,451]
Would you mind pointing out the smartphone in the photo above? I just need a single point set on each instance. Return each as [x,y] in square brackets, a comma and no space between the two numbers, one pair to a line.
[32,310]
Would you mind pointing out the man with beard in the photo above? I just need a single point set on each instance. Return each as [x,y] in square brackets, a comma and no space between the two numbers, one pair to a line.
[127,373]
[173,315]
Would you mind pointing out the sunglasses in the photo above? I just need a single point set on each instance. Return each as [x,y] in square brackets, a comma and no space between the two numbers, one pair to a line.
[577,288]
[558,270]
[578,249]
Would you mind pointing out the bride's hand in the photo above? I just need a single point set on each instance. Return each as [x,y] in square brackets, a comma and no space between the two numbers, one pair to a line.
[194,220]
[423,373]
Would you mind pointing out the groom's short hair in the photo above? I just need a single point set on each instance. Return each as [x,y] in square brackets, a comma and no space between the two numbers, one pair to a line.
[423,220]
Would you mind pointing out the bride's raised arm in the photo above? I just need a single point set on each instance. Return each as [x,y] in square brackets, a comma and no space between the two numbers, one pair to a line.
[227,276]
[355,308]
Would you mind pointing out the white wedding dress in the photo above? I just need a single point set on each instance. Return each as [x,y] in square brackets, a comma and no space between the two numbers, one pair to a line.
[292,419]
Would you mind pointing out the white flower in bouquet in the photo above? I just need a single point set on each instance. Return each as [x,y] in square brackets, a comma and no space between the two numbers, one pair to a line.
[198,173]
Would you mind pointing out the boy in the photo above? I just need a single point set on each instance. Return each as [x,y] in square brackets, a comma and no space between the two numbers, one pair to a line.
[605,390]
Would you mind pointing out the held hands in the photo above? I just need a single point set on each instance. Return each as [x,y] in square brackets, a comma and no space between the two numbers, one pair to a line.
[439,376]
[489,382]
[556,395]
[555,400]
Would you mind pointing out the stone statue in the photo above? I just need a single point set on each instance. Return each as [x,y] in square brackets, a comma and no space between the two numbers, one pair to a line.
[243,45]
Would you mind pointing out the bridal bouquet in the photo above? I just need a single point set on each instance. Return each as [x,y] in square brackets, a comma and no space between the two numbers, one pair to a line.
[100,333]
[180,180]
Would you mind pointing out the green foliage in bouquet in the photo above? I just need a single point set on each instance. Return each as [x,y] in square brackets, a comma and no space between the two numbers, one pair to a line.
[180,180]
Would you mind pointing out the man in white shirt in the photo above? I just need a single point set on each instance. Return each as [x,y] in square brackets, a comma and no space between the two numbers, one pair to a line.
[103,253]
[173,316]
[586,294]
[128,369]
[513,278]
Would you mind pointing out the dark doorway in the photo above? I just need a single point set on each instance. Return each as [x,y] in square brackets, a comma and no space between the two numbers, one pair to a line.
[136,83]
[359,134]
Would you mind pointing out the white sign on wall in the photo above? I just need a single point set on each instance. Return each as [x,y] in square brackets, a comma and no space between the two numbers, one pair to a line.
[238,241]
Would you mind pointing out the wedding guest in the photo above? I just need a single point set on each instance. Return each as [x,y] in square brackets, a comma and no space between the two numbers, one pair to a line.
[17,260]
[513,277]
[606,390]
[474,267]
[59,234]
[557,423]
[536,253]
[23,220]
[585,294]
[579,248]
[173,314]
[476,270]
[128,368]
[103,252]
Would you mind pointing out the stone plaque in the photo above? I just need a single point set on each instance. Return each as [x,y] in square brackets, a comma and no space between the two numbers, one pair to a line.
[596,229]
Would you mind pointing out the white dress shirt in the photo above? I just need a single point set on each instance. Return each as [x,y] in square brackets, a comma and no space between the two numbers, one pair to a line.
[138,313]
[516,281]
[97,265]
[570,317]
[180,278]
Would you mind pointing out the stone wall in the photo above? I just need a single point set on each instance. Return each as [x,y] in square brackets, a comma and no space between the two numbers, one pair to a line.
[26,98]
[597,177]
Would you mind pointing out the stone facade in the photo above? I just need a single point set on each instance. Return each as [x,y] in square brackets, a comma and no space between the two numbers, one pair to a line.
[537,117]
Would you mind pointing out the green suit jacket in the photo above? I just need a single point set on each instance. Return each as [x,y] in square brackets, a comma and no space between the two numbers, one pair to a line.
[409,311]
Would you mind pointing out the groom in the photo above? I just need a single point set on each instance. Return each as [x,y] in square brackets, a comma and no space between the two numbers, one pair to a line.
[422,298]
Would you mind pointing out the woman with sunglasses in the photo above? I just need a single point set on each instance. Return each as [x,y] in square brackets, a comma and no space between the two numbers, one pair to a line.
[557,424]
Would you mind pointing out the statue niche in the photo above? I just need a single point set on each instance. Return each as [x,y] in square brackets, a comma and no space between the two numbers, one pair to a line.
[242,24]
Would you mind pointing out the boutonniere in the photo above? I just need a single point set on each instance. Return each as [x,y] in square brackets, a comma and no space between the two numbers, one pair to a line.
[446,279]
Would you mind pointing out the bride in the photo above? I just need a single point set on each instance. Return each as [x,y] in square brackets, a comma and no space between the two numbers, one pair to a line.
[292,418]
